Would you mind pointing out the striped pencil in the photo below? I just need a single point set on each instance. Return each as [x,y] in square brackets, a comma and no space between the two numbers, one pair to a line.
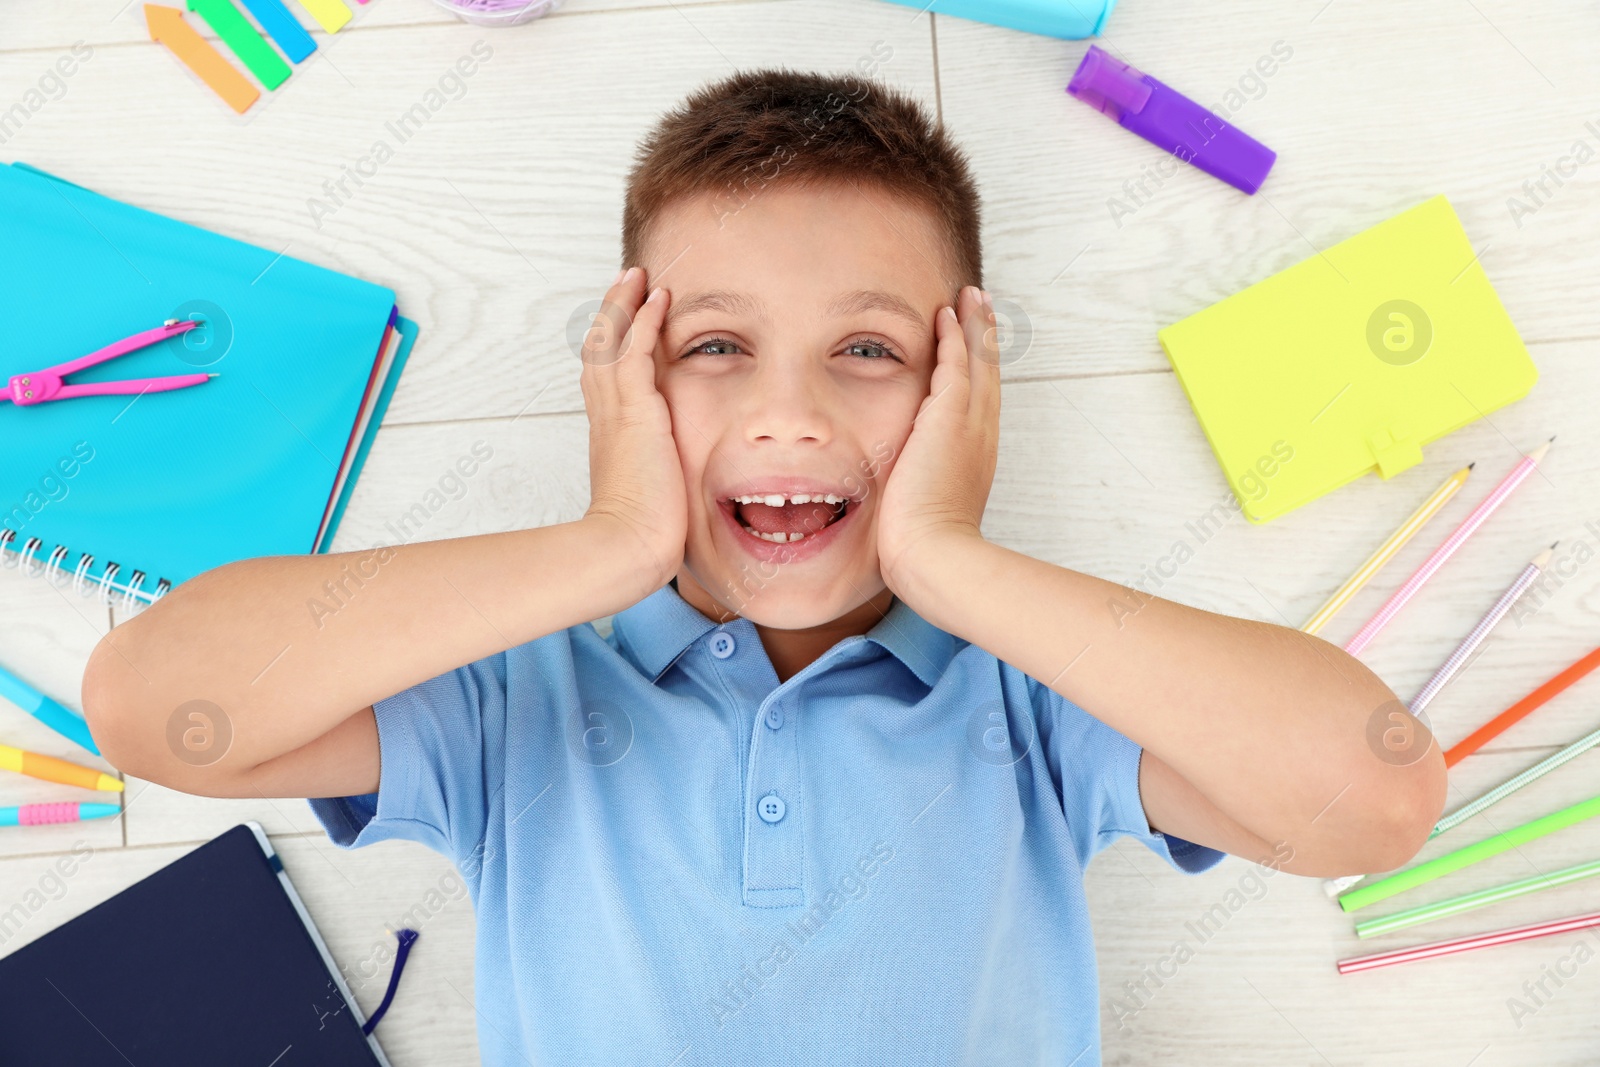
[1386,551]
[1482,898]
[1442,554]
[1466,944]
[1511,785]
[1480,632]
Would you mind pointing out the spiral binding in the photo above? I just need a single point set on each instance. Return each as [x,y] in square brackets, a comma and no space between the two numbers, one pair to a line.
[133,597]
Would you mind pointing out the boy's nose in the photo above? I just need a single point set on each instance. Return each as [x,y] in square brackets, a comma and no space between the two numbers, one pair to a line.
[789,406]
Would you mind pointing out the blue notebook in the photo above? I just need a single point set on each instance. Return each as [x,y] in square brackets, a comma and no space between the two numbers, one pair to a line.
[212,961]
[126,495]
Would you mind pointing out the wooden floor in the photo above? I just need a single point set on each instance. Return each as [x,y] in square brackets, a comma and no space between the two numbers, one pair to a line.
[500,217]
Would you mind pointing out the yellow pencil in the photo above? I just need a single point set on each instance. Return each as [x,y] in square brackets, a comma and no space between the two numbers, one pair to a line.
[1408,529]
[56,770]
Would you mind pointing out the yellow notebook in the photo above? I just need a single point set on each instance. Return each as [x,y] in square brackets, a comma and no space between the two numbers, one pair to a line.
[1349,361]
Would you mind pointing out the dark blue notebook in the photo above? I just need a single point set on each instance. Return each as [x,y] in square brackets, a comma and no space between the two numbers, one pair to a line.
[210,961]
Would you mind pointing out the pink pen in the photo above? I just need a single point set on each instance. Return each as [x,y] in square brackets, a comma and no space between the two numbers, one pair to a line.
[35,387]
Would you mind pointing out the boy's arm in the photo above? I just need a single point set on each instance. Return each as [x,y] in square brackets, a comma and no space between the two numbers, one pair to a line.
[295,689]
[1254,734]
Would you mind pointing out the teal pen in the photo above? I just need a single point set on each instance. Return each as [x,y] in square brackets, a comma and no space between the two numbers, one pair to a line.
[58,718]
[41,814]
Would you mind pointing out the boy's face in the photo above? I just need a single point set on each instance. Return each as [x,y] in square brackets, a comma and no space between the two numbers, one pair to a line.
[798,346]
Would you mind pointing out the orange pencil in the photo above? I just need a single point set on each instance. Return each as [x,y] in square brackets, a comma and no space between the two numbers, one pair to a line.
[1516,712]
[51,769]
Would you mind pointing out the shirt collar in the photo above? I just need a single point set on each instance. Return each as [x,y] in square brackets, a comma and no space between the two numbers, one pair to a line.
[654,632]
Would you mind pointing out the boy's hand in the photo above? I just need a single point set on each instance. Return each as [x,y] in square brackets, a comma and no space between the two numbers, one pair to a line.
[940,481]
[635,480]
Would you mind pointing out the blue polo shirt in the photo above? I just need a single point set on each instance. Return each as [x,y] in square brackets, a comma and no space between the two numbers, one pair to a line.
[676,860]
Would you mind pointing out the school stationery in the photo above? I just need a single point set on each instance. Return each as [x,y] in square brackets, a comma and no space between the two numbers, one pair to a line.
[1453,861]
[1466,944]
[1470,644]
[60,719]
[129,495]
[1386,551]
[1521,709]
[166,26]
[283,28]
[1482,898]
[44,814]
[60,771]
[1511,785]
[1441,555]
[242,39]
[36,387]
[1080,18]
[1169,120]
[1349,361]
[229,969]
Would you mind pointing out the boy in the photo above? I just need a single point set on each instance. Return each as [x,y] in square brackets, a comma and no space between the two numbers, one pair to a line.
[826,793]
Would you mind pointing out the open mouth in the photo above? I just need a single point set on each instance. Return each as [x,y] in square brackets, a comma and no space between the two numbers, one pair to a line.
[783,518]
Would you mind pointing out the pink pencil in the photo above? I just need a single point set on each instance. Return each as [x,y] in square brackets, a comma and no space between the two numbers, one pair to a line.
[1466,944]
[1442,554]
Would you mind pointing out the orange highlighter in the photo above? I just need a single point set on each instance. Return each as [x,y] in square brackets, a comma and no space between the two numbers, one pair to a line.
[56,770]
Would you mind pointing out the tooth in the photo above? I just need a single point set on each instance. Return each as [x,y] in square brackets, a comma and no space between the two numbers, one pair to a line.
[799,498]
[796,536]
[773,500]
[831,499]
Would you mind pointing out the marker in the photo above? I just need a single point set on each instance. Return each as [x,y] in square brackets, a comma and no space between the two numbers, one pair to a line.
[47,711]
[235,31]
[50,769]
[167,26]
[283,28]
[1166,118]
[43,814]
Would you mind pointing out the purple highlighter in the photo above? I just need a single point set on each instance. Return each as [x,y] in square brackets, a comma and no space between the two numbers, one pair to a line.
[1171,120]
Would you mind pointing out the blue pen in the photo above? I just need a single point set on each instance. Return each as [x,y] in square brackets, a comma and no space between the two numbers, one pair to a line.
[64,722]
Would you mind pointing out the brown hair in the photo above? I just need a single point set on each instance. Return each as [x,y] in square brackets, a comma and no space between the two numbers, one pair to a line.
[737,136]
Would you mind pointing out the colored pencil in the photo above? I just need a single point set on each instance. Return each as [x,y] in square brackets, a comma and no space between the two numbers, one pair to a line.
[1520,710]
[1442,554]
[60,771]
[1466,944]
[1482,898]
[1511,785]
[1387,551]
[1423,873]
[1480,632]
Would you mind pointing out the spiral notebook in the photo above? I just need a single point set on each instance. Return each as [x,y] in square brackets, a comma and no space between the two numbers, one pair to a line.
[211,960]
[127,496]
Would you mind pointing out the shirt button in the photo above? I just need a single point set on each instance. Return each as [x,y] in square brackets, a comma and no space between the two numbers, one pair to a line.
[722,644]
[770,807]
[775,717]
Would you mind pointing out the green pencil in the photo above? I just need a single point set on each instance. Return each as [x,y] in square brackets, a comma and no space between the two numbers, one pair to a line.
[1462,857]
[1484,897]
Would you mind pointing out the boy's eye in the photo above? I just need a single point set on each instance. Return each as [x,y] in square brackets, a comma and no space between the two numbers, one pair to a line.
[870,350]
[716,346]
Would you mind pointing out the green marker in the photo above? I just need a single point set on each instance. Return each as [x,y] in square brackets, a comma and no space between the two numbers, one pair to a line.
[237,33]
[1462,857]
